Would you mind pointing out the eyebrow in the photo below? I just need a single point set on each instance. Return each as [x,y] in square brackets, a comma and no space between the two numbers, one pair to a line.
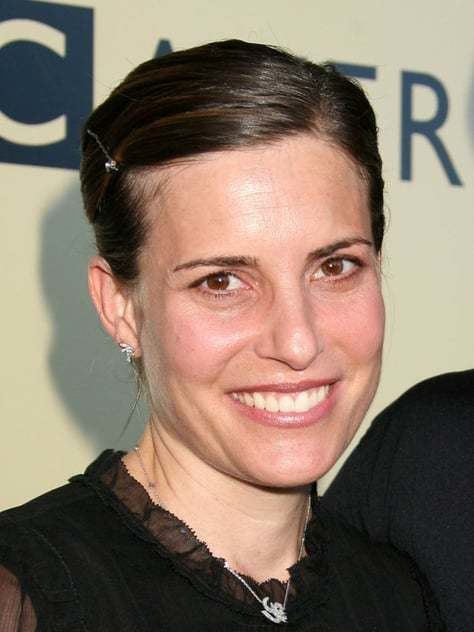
[221,261]
[326,251]
[243,261]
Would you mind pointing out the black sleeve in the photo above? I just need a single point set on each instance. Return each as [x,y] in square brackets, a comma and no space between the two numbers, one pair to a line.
[410,482]
[16,610]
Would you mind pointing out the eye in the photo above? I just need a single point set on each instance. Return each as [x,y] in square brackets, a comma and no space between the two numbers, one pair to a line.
[220,282]
[336,267]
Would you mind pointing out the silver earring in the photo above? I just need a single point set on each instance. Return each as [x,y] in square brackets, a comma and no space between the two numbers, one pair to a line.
[128,350]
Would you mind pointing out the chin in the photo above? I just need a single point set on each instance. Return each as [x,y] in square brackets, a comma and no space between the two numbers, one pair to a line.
[293,471]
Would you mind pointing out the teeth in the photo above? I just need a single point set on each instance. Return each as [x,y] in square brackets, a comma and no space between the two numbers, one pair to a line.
[299,402]
[287,404]
[272,404]
[302,402]
[321,394]
[248,399]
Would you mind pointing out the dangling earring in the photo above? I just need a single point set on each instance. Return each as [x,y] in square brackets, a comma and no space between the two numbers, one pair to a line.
[128,350]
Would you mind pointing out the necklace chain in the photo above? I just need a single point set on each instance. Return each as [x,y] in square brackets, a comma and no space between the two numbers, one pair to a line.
[150,484]
[275,611]
[272,610]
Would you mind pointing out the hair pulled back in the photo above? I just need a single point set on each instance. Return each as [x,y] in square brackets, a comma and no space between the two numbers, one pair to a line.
[220,96]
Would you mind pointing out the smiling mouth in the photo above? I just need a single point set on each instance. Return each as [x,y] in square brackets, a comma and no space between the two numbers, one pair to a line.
[274,402]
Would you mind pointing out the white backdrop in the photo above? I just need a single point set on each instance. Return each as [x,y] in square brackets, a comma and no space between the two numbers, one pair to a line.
[65,392]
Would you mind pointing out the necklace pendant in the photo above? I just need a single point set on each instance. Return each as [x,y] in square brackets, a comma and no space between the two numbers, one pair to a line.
[274,611]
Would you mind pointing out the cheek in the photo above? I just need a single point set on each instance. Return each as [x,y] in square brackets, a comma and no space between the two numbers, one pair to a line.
[197,345]
[357,323]
[367,332]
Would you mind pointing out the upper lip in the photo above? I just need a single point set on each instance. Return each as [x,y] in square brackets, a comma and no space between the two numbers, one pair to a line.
[284,387]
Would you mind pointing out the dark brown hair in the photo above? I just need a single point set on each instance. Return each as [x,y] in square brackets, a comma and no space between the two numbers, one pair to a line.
[220,96]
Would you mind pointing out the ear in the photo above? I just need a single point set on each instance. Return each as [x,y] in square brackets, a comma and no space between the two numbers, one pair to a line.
[114,304]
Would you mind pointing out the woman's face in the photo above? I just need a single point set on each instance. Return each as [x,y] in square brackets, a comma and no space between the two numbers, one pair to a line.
[261,316]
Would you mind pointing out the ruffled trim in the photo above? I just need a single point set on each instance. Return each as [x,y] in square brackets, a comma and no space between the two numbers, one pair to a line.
[190,557]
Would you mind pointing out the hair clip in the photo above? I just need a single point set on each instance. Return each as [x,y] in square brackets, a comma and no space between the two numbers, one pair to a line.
[110,164]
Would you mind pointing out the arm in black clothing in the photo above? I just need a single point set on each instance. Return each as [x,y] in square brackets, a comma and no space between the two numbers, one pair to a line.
[16,610]
[410,482]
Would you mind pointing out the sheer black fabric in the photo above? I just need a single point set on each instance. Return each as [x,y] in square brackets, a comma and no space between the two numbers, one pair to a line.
[16,610]
[98,555]
[193,558]
[410,481]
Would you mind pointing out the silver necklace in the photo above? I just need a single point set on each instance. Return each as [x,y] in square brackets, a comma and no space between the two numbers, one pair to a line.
[275,611]
[150,484]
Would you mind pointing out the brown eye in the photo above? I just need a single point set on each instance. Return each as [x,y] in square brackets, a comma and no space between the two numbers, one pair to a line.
[222,282]
[333,267]
[218,282]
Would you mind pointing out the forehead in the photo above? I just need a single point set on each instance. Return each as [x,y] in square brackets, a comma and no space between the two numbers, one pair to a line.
[295,191]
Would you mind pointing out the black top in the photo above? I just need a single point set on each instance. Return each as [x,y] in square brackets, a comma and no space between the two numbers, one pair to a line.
[97,555]
[410,482]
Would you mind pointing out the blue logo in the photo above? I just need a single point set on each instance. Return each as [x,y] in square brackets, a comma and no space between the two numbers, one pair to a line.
[46,55]
[46,66]
[410,126]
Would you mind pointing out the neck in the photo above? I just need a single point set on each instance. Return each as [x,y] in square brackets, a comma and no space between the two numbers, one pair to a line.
[257,530]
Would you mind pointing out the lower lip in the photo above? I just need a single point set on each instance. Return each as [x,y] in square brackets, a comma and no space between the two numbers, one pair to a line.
[289,420]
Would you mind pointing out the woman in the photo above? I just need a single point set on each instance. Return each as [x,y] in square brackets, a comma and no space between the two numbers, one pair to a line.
[237,201]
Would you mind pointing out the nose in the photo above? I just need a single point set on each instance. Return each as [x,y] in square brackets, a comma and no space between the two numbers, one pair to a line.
[290,333]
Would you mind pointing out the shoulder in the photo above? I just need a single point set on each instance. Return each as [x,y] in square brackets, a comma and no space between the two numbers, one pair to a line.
[435,400]
[40,528]
[45,505]
[428,407]
[415,459]
[431,424]
[43,509]
[69,499]
[29,534]
[455,385]
[59,505]
[55,545]
[435,414]
[410,479]
[31,555]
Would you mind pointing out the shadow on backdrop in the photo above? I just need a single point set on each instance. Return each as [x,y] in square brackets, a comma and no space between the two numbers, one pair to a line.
[470,109]
[91,376]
